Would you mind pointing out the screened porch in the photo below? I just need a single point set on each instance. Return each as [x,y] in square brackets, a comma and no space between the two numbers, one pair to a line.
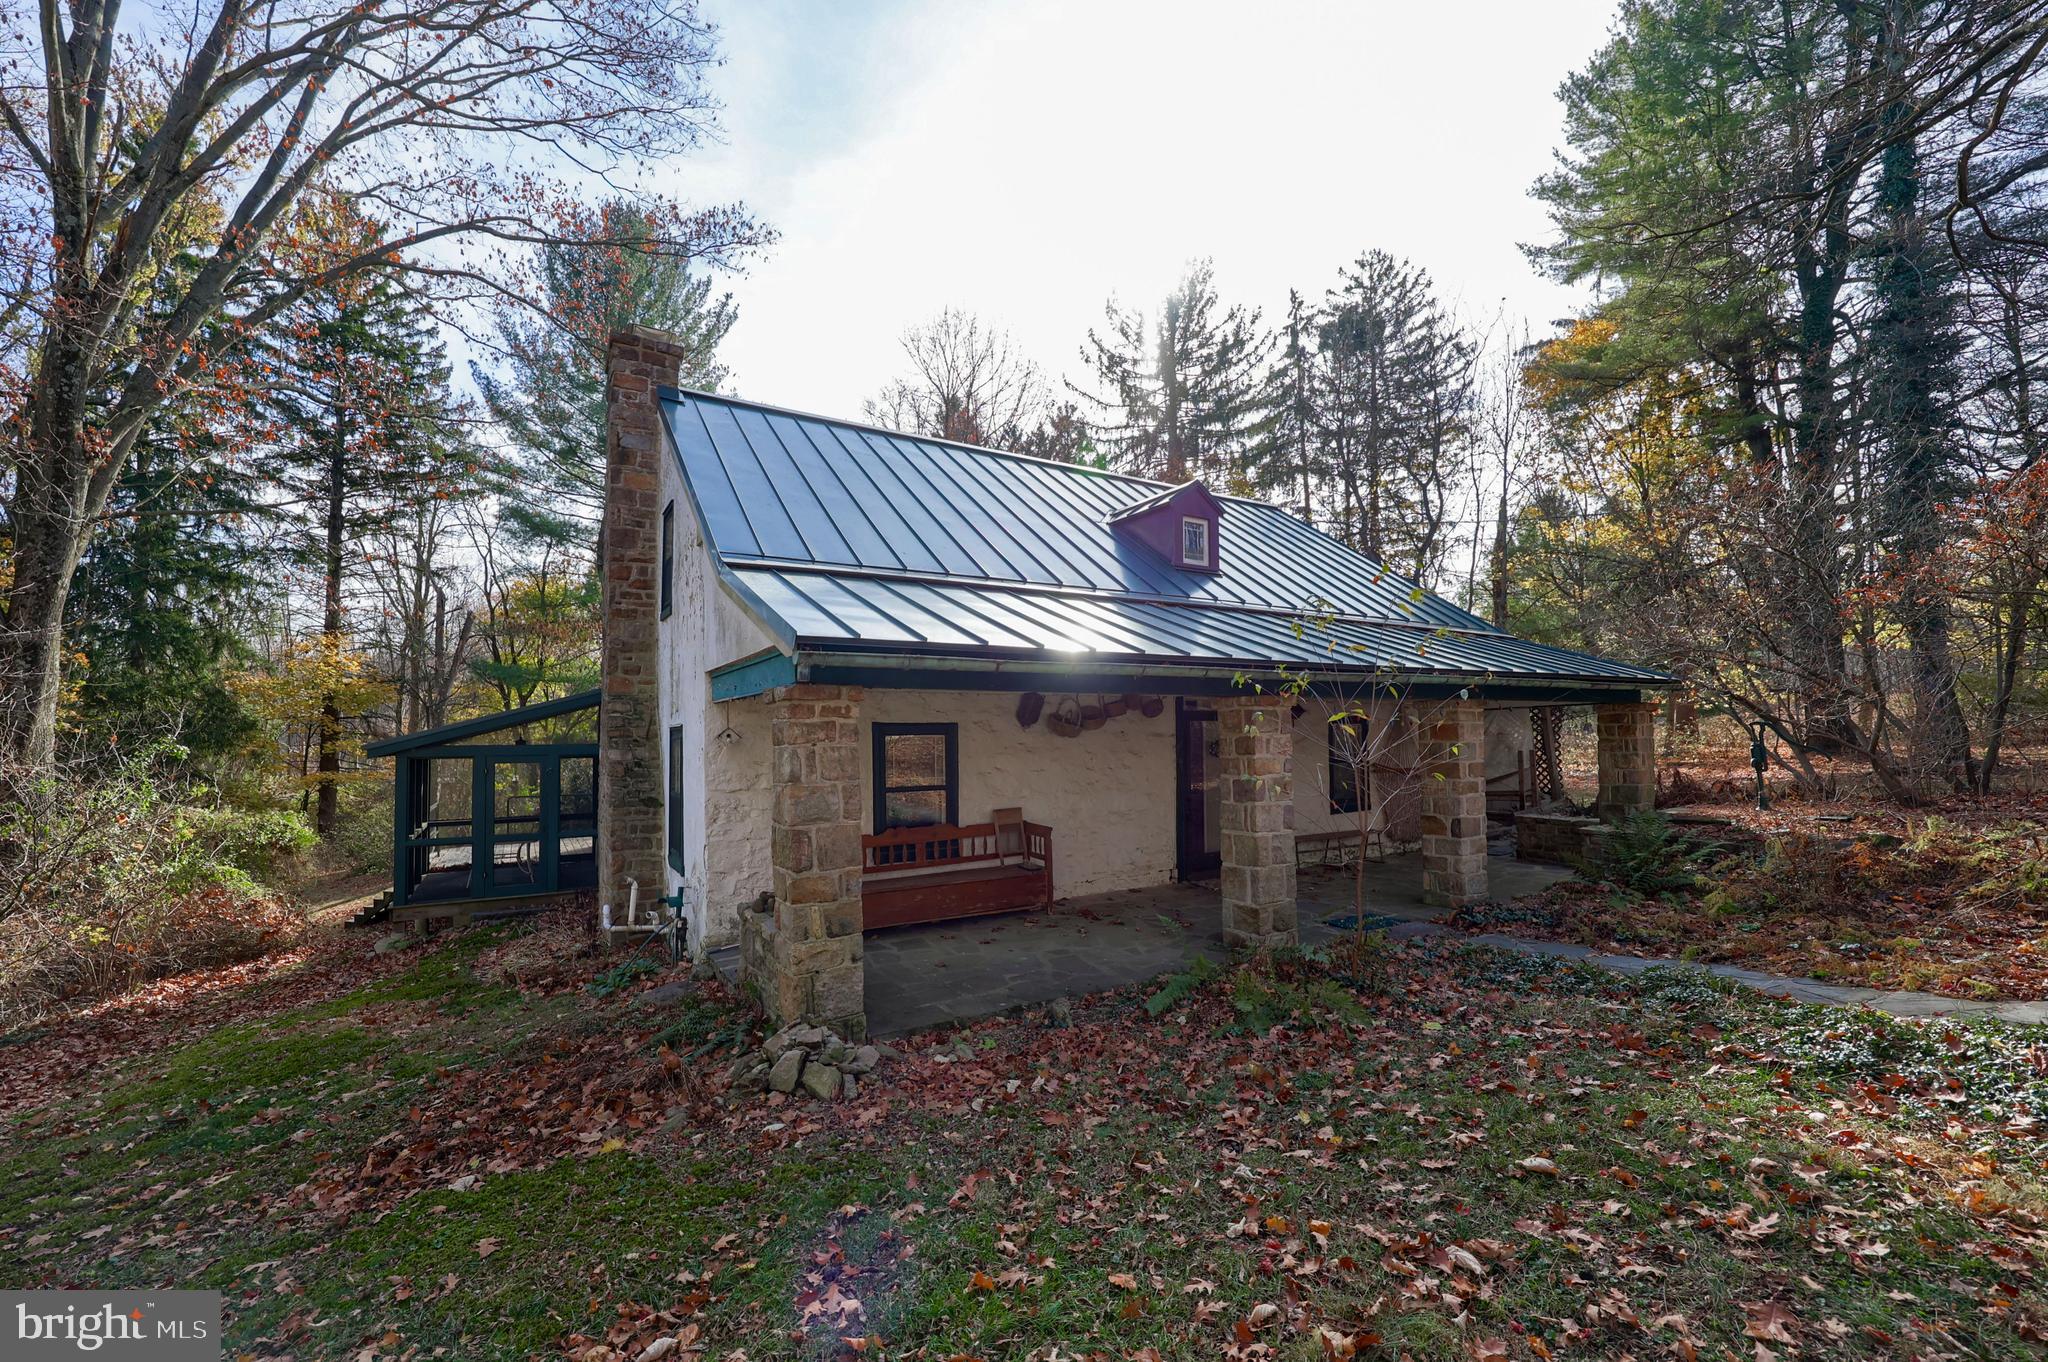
[495,810]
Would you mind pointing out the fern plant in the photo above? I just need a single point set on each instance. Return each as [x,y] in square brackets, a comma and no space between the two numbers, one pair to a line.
[1645,855]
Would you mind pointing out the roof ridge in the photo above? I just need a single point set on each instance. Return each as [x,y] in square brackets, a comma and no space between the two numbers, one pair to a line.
[1156,484]
[730,400]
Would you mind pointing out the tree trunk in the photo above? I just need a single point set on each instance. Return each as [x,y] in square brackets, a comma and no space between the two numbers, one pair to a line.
[58,494]
[2014,647]
[327,815]
[1913,352]
[45,557]
[1812,599]
[1500,556]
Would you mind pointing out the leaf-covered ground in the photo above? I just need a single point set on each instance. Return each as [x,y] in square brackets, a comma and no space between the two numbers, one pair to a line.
[1429,1152]
[1936,906]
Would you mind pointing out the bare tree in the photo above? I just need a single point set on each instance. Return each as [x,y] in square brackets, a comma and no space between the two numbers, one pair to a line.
[968,381]
[1377,721]
[1502,427]
[200,136]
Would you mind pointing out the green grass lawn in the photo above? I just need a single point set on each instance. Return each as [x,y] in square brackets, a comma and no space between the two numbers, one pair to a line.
[1442,1154]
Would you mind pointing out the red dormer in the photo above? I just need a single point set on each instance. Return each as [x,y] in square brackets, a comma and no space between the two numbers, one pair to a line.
[1180,524]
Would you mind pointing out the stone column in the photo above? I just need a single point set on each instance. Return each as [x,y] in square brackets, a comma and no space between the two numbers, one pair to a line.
[630,827]
[814,959]
[1451,750]
[1628,760]
[1255,738]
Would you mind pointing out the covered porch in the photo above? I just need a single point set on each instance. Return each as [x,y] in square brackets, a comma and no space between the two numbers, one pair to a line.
[1213,809]
[938,974]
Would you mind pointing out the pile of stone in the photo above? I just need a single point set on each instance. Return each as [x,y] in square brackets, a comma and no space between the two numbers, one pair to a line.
[809,1059]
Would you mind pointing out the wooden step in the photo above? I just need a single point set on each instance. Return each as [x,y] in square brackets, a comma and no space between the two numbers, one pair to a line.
[378,910]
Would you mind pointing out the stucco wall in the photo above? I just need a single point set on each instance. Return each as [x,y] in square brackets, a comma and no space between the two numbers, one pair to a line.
[725,785]
[1507,736]
[1393,794]
[1108,795]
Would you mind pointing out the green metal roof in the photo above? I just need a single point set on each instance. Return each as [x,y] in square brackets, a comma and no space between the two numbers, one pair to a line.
[842,538]
[488,723]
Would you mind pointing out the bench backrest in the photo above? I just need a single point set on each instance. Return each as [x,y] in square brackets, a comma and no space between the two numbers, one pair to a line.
[942,844]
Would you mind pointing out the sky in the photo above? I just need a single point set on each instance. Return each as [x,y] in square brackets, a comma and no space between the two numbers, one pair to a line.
[1027,161]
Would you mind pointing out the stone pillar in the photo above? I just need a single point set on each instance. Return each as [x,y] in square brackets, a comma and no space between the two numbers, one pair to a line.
[631,833]
[1451,750]
[1628,760]
[1255,738]
[814,969]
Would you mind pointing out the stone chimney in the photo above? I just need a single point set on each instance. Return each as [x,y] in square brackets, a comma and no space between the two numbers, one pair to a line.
[630,827]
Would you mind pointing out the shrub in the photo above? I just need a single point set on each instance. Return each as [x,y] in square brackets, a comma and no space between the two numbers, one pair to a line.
[1644,854]
[226,847]
[110,876]
[362,838]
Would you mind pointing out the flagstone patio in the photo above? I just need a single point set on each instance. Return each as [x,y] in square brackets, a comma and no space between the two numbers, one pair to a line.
[956,971]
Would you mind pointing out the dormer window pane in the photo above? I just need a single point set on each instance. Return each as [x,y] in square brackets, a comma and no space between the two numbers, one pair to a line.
[1194,541]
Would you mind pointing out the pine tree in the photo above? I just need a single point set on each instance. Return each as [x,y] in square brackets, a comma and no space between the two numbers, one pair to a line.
[155,613]
[549,397]
[1393,396]
[1288,458]
[1914,348]
[1181,390]
[365,430]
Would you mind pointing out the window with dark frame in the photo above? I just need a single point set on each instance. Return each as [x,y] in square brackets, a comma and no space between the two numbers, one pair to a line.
[917,775]
[675,799]
[668,559]
[1194,541]
[1350,779]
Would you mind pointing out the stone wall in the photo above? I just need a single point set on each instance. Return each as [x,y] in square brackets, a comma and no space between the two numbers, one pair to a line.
[1627,759]
[631,835]
[1557,838]
[1453,801]
[1255,739]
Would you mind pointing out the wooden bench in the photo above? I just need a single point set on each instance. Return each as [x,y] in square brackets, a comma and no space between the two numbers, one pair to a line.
[1512,790]
[1336,848]
[936,873]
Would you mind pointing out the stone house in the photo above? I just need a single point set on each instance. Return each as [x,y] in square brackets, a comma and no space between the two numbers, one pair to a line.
[822,640]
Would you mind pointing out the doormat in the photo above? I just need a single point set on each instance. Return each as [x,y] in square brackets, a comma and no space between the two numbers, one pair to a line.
[1348,922]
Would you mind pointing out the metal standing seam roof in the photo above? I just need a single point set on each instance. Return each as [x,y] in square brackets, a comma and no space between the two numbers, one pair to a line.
[851,539]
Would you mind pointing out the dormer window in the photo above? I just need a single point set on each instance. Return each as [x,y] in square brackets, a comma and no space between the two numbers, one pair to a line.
[1180,527]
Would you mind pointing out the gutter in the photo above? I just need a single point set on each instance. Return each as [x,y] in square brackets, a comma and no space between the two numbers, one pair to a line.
[810,660]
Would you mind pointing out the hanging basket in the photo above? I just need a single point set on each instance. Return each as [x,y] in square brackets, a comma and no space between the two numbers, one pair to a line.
[1151,706]
[1092,716]
[1115,708]
[1065,720]
[1029,706]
